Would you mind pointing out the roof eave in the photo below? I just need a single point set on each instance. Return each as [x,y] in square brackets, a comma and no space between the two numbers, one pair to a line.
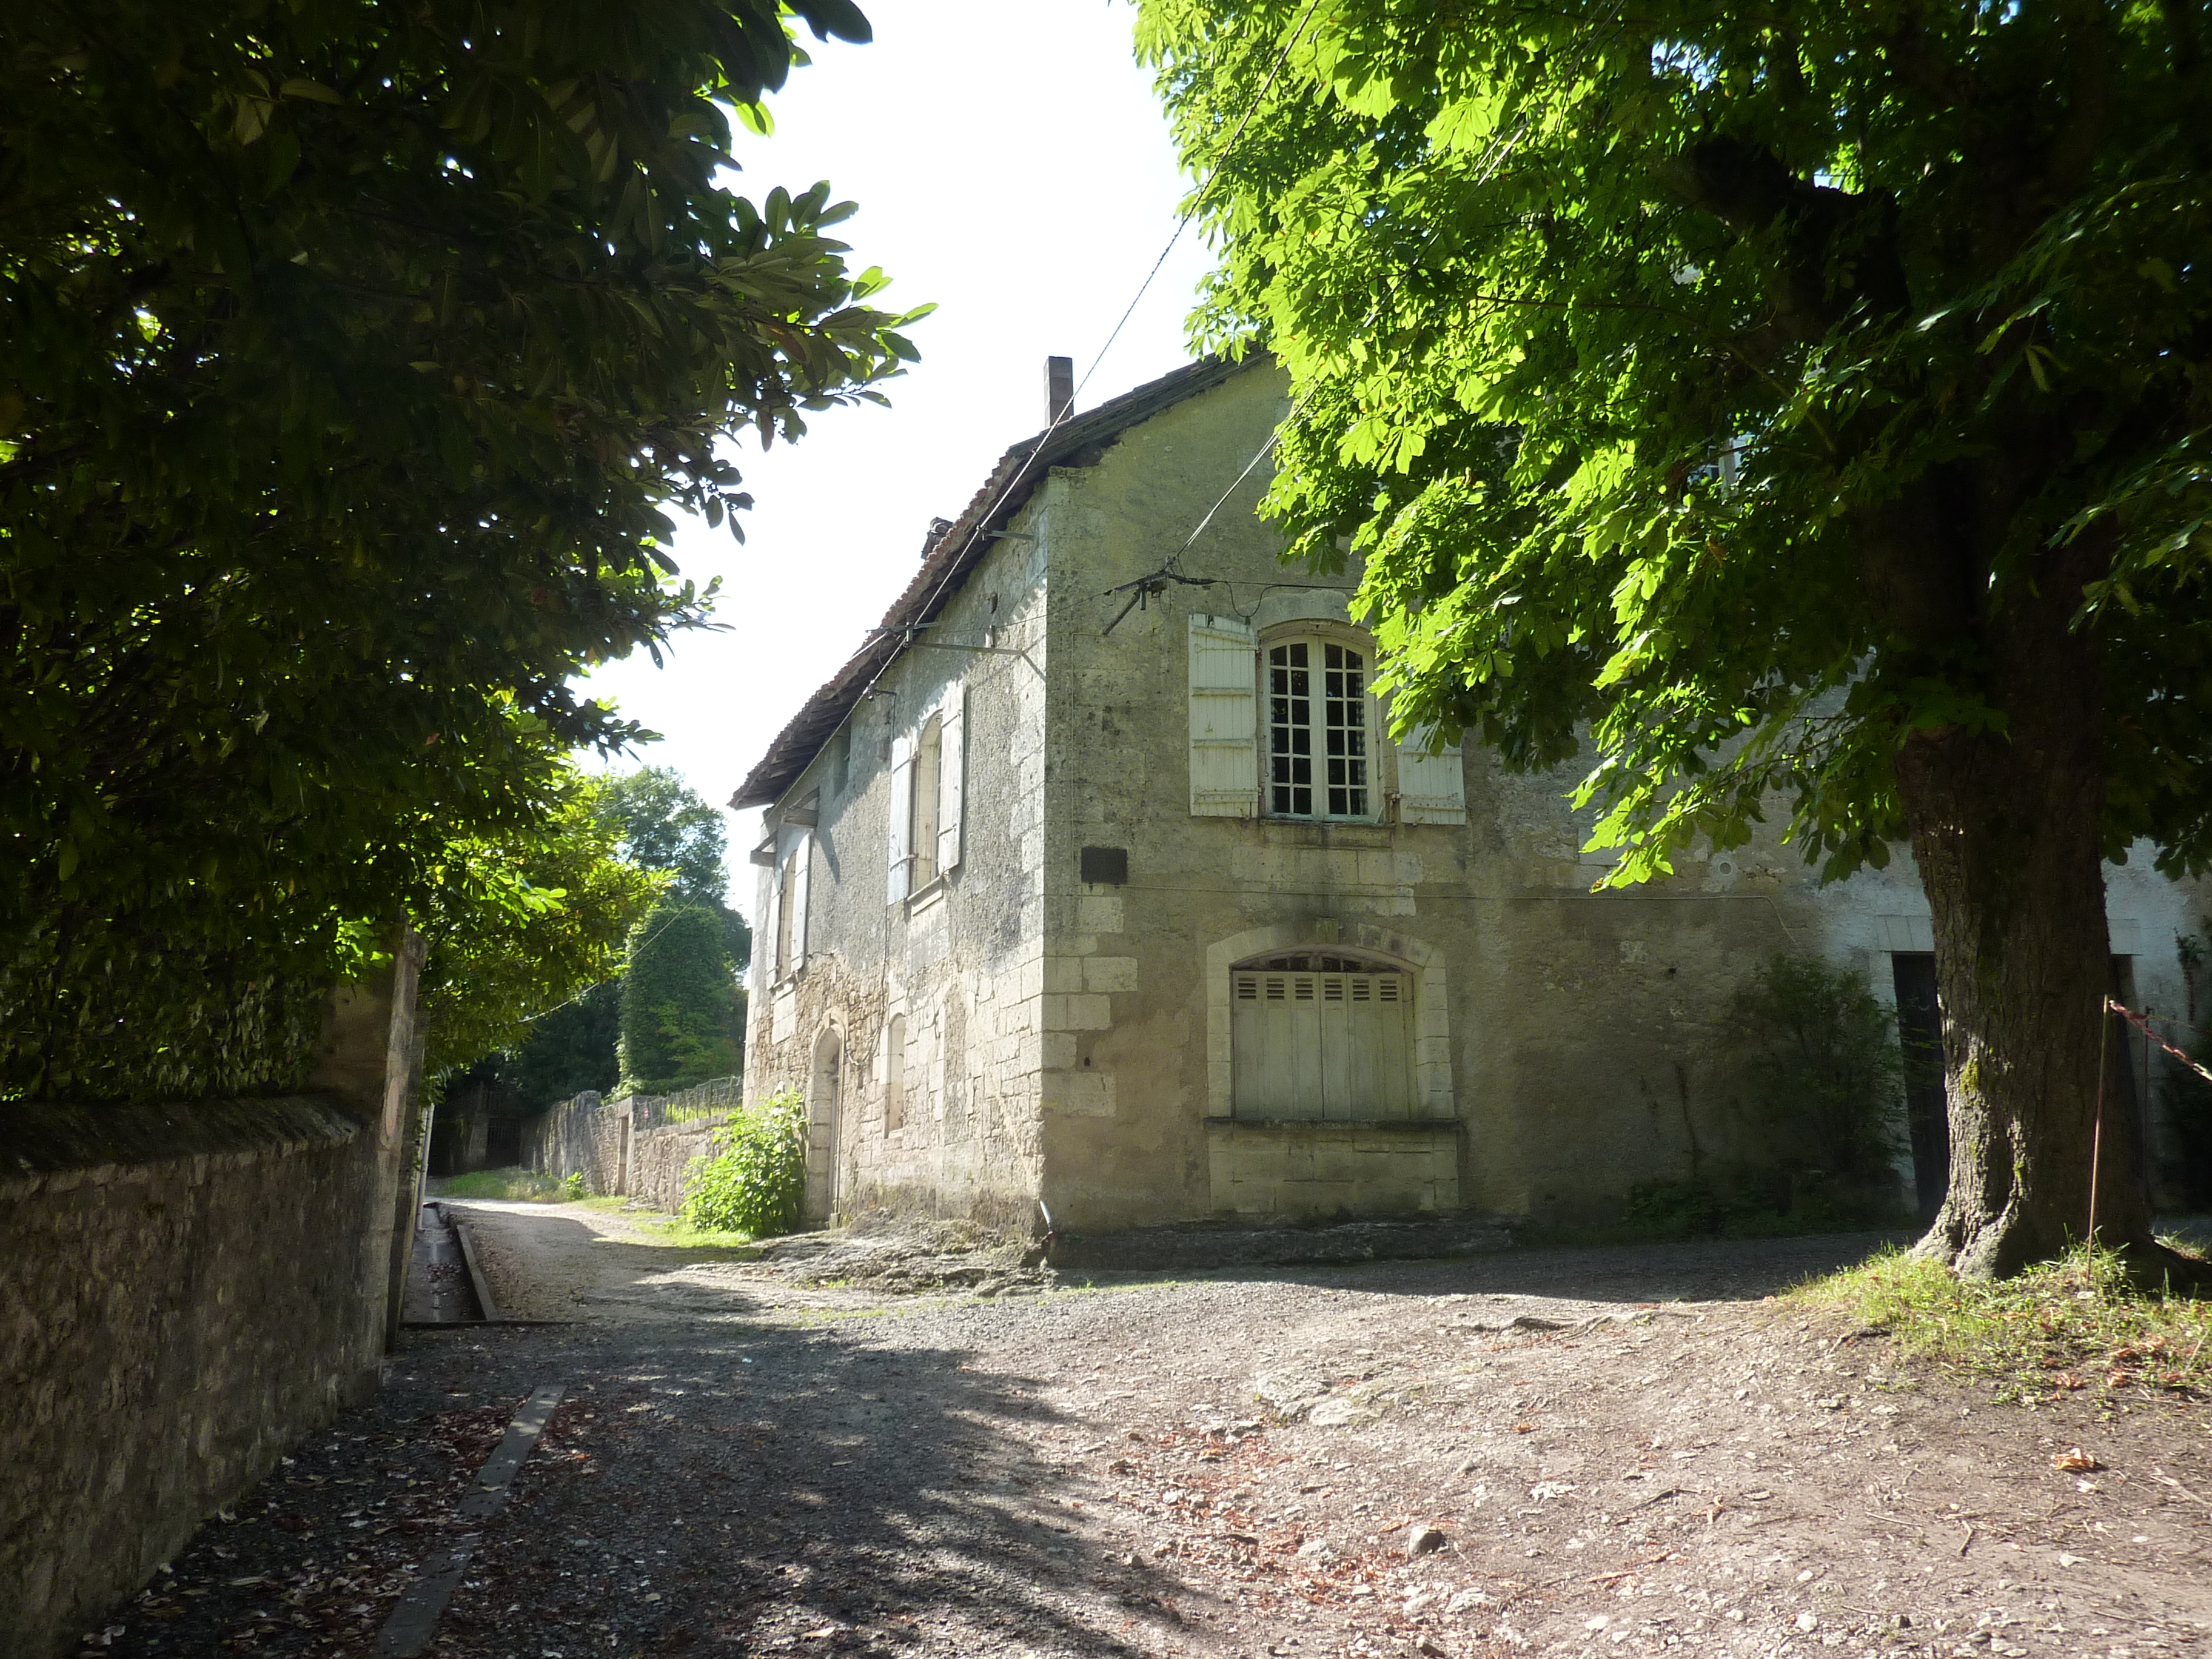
[951,558]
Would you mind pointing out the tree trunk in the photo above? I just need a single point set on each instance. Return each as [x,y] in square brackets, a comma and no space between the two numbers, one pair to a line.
[2006,828]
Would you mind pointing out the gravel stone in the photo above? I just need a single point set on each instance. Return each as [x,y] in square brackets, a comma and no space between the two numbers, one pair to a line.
[797,1452]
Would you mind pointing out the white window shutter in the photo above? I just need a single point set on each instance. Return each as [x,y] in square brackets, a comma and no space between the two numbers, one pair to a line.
[952,777]
[772,916]
[901,811]
[1431,788]
[802,859]
[1224,755]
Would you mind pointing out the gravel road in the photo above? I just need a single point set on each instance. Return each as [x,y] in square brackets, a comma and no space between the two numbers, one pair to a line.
[1601,1452]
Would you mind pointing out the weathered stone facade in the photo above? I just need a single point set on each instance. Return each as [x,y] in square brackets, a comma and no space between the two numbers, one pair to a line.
[1073,1040]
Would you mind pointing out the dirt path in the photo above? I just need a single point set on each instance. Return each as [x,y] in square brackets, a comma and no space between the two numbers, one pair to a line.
[1592,1452]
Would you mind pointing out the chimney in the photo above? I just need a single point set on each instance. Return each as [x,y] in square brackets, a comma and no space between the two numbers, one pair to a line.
[1058,389]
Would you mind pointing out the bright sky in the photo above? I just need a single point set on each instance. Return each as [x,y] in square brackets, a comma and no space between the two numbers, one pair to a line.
[1011,164]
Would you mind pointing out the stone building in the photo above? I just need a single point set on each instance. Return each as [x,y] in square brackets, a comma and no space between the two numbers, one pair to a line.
[1114,893]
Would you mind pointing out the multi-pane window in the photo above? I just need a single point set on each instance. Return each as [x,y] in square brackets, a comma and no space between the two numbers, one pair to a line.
[1317,756]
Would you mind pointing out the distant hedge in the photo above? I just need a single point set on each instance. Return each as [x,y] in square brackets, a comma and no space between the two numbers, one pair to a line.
[679,1002]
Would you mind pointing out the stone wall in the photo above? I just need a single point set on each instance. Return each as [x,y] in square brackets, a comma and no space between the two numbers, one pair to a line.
[635,1145]
[1316,1171]
[186,1294]
[186,1289]
[584,1136]
[660,1158]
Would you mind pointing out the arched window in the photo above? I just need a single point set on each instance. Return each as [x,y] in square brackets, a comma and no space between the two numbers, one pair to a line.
[823,1089]
[1319,1035]
[895,1075]
[1319,764]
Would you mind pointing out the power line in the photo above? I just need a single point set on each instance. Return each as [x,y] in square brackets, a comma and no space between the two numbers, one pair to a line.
[1061,416]
[1198,196]
[1157,582]
[642,945]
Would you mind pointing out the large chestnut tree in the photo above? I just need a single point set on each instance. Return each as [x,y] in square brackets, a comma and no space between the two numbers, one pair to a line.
[1781,402]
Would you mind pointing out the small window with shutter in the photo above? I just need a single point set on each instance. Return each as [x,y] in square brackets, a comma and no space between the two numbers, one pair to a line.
[1432,780]
[788,898]
[928,798]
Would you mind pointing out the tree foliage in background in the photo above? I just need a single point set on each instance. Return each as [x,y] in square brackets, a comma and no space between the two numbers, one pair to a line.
[1806,405]
[568,1051]
[353,360]
[665,824]
[520,927]
[659,825]
[1827,1072]
[754,1180]
[679,1003]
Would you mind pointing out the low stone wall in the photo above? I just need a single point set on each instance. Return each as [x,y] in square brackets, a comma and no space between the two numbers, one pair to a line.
[1308,1170]
[584,1136]
[185,1294]
[659,1159]
[629,1146]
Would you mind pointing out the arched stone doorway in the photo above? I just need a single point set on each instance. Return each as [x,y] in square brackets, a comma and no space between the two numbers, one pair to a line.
[824,1085]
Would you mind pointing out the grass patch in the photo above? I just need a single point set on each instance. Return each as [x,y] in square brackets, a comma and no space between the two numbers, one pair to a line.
[527,1185]
[2074,1325]
[675,1231]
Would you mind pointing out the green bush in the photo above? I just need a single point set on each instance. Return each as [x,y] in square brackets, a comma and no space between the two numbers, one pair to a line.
[1753,1202]
[755,1178]
[1826,1070]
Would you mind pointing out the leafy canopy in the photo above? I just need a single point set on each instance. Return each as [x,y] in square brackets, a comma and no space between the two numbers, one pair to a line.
[519,926]
[680,1007]
[570,1050]
[664,824]
[354,358]
[1703,378]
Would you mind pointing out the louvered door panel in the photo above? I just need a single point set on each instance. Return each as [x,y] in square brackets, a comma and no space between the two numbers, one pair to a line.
[1321,1046]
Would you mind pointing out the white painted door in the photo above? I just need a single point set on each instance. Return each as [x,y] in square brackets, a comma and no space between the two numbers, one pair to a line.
[1321,1045]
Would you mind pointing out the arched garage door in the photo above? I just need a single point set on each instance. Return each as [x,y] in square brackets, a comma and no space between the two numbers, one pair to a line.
[1321,1038]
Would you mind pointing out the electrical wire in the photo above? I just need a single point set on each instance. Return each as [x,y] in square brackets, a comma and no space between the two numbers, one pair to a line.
[644,944]
[1061,416]
[1502,148]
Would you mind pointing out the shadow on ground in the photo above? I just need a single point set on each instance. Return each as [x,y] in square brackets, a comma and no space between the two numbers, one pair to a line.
[762,1485]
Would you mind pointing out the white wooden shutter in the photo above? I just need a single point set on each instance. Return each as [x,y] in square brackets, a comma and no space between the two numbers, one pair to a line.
[1312,1046]
[901,825]
[1431,788]
[1224,758]
[772,916]
[802,858]
[952,777]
